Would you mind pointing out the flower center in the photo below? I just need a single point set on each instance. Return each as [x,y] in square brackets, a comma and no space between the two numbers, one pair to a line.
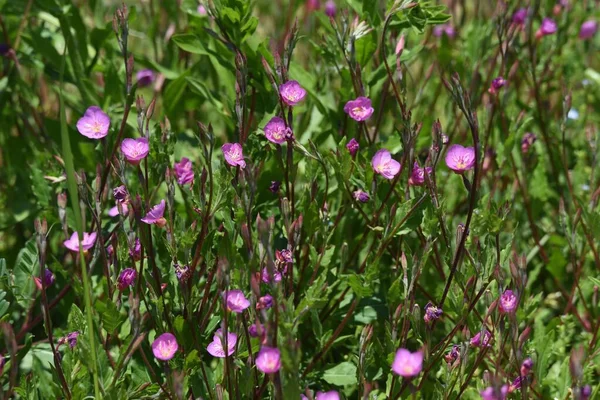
[96,127]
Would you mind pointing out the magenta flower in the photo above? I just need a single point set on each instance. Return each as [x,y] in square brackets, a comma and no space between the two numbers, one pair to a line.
[497,83]
[586,392]
[452,355]
[361,196]
[476,340]
[516,384]
[359,109]
[445,29]
[274,187]
[145,77]
[253,331]
[519,16]
[113,212]
[94,124]
[588,29]
[492,393]
[48,279]
[292,93]
[407,364]
[268,360]
[284,256]
[266,278]
[352,147]
[71,338]
[216,349]
[331,395]
[330,8]
[265,302]
[120,193]
[126,278]
[508,302]
[417,178]
[383,164]
[202,10]
[184,171]
[526,366]
[183,273]
[460,159]
[527,141]
[165,346]
[155,215]
[135,252]
[135,150]
[432,313]
[276,131]
[236,301]
[73,242]
[548,27]
[233,154]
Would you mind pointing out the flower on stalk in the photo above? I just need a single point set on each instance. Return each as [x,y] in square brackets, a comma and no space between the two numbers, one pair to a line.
[497,84]
[452,355]
[71,339]
[87,243]
[508,302]
[519,16]
[113,212]
[274,187]
[48,279]
[135,252]
[236,301]
[155,215]
[444,29]
[145,77]
[183,273]
[407,364]
[352,147]
[586,392]
[292,93]
[331,395]
[359,109]
[216,349]
[588,29]
[460,159]
[94,124]
[548,27]
[527,141]
[432,313]
[165,346]
[265,302]
[277,131]
[120,194]
[516,384]
[417,178]
[135,150]
[477,341]
[234,155]
[361,196]
[383,164]
[492,393]
[330,8]
[268,360]
[126,278]
[526,366]
[184,171]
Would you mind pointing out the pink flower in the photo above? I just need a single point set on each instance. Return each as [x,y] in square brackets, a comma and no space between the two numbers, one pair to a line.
[385,165]
[588,29]
[497,83]
[184,171]
[432,313]
[417,178]
[359,109]
[266,278]
[452,355]
[126,278]
[120,193]
[330,8]
[73,242]
[407,364]
[476,340]
[527,141]
[268,360]
[508,302]
[202,10]
[155,215]
[135,150]
[135,252]
[276,131]
[265,302]
[492,393]
[445,29]
[216,349]
[352,147]
[548,27]
[331,395]
[236,301]
[361,196]
[145,77]
[526,366]
[519,16]
[233,154]
[460,159]
[165,346]
[94,124]
[48,279]
[113,212]
[292,93]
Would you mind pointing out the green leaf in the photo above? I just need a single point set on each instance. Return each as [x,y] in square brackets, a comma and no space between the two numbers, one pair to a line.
[110,315]
[26,268]
[343,374]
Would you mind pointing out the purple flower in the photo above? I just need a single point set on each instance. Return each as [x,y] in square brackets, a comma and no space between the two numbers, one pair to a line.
[445,29]
[508,302]
[492,393]
[588,29]
[516,384]
[274,187]
[292,93]
[73,242]
[548,27]
[460,159]
[233,154]
[126,278]
[216,347]
[145,77]
[359,109]
[586,392]
[452,355]
[135,252]
[48,279]
[352,147]
[184,171]
[361,196]
[202,10]
[330,8]
[417,178]
[407,364]
[265,302]
[183,273]
[4,49]
[120,194]
[476,340]
[432,313]
[268,360]
[526,366]
[331,395]
[155,215]
[165,346]
[94,124]
[236,301]
[113,212]
[519,16]
[135,150]
[527,141]
[383,164]
[277,131]
[72,339]
[266,278]
[284,256]
[253,331]
[497,83]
